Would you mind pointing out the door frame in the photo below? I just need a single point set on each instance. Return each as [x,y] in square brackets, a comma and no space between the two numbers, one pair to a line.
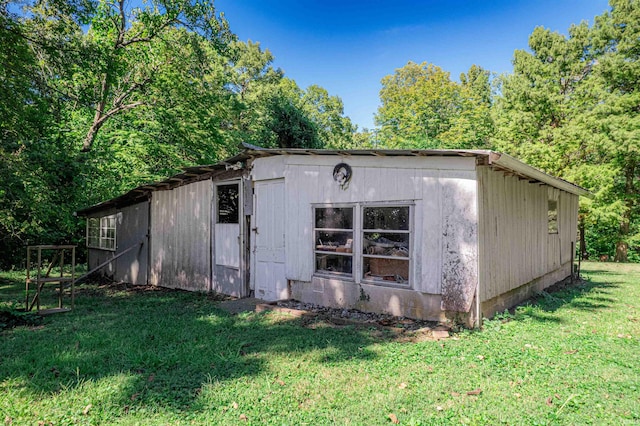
[254,230]
[243,288]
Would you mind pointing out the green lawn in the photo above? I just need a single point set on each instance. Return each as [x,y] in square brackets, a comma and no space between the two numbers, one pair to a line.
[160,357]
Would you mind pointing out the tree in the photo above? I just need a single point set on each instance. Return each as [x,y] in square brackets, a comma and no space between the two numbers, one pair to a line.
[617,44]
[571,107]
[422,108]
[31,164]
[122,51]
[271,110]
[335,130]
[97,97]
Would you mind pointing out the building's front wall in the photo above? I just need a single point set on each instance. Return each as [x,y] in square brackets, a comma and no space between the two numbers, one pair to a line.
[441,193]
[518,253]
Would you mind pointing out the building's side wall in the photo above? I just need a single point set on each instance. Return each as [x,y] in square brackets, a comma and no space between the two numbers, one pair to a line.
[516,247]
[444,239]
[132,229]
[181,237]
[96,257]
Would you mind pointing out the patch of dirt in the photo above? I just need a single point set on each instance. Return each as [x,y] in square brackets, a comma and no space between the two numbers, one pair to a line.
[403,328]
[130,288]
[566,283]
[94,288]
[104,286]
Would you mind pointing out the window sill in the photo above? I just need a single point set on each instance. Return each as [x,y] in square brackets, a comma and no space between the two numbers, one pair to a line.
[333,276]
[390,284]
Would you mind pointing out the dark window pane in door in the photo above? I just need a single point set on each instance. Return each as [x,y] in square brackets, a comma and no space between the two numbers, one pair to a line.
[228,208]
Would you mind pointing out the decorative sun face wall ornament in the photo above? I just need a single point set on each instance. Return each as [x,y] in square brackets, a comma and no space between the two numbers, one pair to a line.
[342,175]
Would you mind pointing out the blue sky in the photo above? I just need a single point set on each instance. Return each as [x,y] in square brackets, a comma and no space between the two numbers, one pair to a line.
[348,46]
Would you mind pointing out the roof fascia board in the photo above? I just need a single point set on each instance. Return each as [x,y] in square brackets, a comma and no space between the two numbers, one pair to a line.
[507,162]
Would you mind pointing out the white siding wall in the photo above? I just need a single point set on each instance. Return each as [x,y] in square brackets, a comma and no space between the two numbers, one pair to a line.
[515,246]
[309,180]
[181,237]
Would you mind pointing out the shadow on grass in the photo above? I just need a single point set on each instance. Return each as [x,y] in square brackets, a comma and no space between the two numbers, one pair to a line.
[159,348]
[584,294]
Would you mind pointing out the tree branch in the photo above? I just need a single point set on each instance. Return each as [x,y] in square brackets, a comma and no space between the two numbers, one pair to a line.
[154,34]
[99,122]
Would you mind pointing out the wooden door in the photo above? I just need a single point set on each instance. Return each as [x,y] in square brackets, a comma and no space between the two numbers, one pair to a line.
[227,251]
[268,267]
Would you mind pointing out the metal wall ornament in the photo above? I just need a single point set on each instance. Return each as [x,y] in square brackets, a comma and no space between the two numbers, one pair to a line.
[342,175]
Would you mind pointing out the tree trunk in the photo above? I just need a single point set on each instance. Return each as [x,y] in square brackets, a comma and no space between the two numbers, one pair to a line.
[98,116]
[622,247]
[621,252]
[583,243]
[91,136]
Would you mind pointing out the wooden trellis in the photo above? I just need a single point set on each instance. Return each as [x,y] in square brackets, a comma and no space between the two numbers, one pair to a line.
[41,279]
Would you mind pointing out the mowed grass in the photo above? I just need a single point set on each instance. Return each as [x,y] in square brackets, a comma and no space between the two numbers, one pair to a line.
[159,357]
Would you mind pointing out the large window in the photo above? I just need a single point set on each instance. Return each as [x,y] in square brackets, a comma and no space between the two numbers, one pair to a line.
[101,232]
[334,240]
[385,244]
[381,234]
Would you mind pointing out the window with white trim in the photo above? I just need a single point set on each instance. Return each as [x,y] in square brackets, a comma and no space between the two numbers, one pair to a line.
[380,232]
[101,232]
[386,243]
[333,231]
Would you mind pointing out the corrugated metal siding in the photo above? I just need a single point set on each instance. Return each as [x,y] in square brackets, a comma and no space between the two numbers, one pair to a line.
[132,227]
[97,257]
[181,237]
[515,246]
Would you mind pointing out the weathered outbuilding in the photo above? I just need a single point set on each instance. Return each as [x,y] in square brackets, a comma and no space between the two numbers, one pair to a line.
[426,234]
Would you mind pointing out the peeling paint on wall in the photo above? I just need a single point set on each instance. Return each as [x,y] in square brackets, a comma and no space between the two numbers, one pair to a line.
[459,244]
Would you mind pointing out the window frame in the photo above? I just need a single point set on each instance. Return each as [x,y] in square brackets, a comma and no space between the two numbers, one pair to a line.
[410,232]
[216,201]
[331,274]
[357,254]
[102,241]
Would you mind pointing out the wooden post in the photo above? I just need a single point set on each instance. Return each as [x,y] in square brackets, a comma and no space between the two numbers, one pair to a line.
[61,275]
[39,273]
[73,276]
[573,252]
[43,278]
[26,297]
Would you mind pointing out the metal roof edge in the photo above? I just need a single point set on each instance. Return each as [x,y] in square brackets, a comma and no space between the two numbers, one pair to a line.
[252,151]
[508,162]
[502,160]
[188,175]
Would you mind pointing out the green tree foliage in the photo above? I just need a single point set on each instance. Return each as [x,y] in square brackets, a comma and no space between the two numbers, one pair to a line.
[98,96]
[571,107]
[335,130]
[33,160]
[273,111]
[422,108]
